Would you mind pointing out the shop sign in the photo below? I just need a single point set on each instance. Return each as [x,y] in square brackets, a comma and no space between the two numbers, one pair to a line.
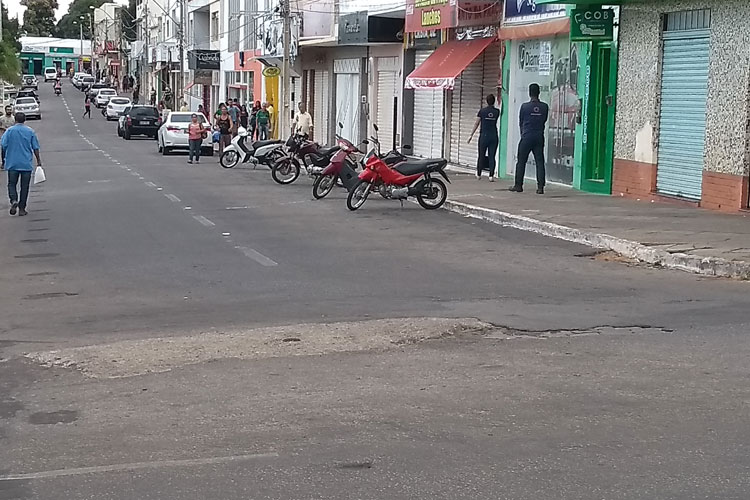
[271,71]
[592,25]
[353,28]
[204,59]
[202,77]
[422,15]
[479,14]
[527,11]
[429,39]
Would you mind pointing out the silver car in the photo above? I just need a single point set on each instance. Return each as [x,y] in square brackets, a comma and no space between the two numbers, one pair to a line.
[28,106]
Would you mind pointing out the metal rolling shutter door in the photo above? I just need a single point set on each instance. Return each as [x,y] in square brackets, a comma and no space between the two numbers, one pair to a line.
[428,117]
[387,85]
[682,124]
[465,104]
[322,105]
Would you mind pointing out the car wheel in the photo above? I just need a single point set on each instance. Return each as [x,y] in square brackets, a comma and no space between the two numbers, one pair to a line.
[127,135]
[119,132]
[158,145]
[164,151]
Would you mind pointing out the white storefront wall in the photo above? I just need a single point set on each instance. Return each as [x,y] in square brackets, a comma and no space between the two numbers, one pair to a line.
[386,90]
[428,117]
[347,74]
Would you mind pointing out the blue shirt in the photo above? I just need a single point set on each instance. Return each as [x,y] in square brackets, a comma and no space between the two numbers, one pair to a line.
[488,121]
[233,112]
[19,143]
[532,118]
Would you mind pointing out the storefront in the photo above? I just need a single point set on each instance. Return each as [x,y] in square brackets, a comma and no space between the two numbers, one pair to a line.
[539,51]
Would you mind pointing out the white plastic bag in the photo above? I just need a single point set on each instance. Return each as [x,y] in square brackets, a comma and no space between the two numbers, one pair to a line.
[39,175]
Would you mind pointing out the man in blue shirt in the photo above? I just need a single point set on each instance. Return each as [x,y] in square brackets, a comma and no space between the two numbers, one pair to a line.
[18,143]
[488,137]
[531,119]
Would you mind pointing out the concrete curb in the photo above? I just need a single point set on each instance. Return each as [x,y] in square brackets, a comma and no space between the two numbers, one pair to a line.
[707,266]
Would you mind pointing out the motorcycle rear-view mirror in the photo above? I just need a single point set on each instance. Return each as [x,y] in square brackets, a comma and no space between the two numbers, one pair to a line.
[375,126]
[341,125]
[406,146]
[365,141]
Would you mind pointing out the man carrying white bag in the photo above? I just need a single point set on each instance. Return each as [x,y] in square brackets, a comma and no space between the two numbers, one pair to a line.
[19,142]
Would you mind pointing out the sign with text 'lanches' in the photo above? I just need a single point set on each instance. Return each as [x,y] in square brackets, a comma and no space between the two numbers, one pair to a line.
[588,25]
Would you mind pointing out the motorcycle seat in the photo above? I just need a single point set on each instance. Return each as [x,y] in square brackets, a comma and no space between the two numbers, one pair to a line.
[321,158]
[327,151]
[260,144]
[414,167]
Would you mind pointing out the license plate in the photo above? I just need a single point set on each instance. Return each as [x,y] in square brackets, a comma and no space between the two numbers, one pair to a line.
[144,123]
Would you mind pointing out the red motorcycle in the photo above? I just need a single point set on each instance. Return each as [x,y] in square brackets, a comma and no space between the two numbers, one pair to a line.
[300,149]
[411,177]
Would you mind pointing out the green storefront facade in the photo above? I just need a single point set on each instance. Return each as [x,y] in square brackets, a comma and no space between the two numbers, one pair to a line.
[63,58]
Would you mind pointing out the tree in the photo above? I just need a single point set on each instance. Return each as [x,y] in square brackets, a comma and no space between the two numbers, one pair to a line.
[39,18]
[65,27]
[9,46]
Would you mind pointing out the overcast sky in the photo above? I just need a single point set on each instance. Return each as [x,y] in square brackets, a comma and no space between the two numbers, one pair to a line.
[15,8]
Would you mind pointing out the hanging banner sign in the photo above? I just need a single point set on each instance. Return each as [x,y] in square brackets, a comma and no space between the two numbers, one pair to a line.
[592,25]
[271,71]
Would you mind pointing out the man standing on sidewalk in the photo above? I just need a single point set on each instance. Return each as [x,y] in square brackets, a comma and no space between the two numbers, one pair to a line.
[6,121]
[488,137]
[532,120]
[18,143]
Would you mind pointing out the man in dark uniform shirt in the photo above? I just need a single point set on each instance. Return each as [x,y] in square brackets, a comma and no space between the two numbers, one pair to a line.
[488,136]
[531,119]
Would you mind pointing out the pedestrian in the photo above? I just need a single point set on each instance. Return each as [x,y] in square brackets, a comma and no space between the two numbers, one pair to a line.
[486,122]
[87,107]
[136,95]
[202,111]
[532,119]
[184,107]
[124,83]
[271,119]
[6,121]
[302,123]
[263,121]
[234,112]
[243,116]
[18,144]
[196,134]
[253,120]
[224,125]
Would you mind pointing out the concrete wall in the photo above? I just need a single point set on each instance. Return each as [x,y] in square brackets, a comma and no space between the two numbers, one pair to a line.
[638,86]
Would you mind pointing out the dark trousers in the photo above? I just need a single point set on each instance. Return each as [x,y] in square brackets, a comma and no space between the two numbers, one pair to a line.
[195,149]
[87,112]
[13,178]
[487,153]
[531,145]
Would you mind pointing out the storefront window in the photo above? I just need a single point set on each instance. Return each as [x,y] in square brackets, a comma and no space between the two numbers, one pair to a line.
[553,64]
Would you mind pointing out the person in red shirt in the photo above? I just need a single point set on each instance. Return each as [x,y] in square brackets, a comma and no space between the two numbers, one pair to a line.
[196,133]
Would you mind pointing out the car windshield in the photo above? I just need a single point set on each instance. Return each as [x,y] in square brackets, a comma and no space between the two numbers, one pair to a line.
[26,100]
[119,100]
[144,112]
[175,118]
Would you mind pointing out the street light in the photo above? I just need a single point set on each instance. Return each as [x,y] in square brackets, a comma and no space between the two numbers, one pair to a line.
[80,25]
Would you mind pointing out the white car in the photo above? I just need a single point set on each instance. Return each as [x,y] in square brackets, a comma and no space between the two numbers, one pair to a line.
[50,74]
[116,107]
[29,81]
[28,106]
[86,81]
[103,97]
[173,134]
[77,78]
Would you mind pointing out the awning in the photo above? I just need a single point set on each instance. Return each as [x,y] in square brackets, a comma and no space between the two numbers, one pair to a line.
[114,63]
[442,67]
[189,86]
[238,86]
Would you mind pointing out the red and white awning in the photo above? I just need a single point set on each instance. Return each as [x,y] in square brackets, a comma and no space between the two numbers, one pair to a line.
[441,69]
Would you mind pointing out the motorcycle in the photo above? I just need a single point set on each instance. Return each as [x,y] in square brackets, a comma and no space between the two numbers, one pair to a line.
[264,152]
[411,177]
[58,90]
[299,148]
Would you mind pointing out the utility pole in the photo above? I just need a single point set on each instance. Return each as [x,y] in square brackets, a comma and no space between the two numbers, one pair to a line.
[181,79]
[285,121]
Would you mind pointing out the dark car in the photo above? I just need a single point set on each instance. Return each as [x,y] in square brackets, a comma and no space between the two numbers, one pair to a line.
[28,93]
[141,120]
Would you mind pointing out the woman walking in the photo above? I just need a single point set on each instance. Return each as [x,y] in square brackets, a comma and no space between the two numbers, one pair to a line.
[196,133]
[87,107]
[243,116]
[224,125]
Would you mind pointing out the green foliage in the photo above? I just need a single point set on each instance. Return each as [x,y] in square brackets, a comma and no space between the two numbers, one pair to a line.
[10,30]
[9,48]
[39,18]
[65,27]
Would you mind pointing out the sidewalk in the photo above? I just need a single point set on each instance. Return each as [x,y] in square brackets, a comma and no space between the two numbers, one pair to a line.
[662,234]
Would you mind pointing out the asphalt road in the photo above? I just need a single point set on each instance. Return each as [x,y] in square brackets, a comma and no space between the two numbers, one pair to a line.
[588,380]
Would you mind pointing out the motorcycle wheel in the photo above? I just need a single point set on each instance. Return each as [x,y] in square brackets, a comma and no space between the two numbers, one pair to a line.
[323,185]
[434,195]
[285,171]
[358,195]
[229,159]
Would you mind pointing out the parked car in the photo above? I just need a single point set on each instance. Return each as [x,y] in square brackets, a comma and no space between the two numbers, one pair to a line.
[86,82]
[103,96]
[28,93]
[29,81]
[76,80]
[121,121]
[173,134]
[28,106]
[141,120]
[115,107]
[50,74]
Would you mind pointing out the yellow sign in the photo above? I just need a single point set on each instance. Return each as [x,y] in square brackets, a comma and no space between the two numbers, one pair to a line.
[271,71]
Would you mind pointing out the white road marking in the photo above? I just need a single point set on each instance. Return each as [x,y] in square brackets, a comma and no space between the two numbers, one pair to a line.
[173,198]
[150,184]
[203,220]
[102,469]
[96,182]
[236,208]
[187,208]
[257,257]
[159,189]
[134,173]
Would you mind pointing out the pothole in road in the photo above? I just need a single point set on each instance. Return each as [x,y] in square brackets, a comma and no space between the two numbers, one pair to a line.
[503,333]
[160,354]
[53,417]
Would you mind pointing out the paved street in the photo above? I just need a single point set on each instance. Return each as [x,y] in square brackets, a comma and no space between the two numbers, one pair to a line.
[175,331]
